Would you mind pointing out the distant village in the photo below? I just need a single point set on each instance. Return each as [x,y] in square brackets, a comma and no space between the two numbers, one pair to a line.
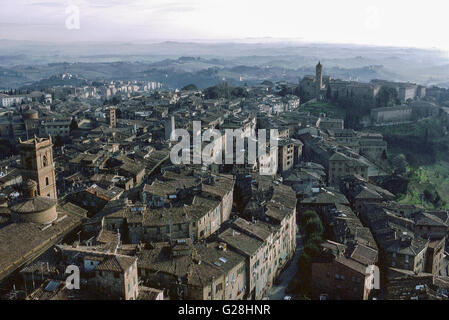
[86,183]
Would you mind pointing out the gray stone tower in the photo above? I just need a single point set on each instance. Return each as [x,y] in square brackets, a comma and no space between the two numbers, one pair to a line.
[111,117]
[319,79]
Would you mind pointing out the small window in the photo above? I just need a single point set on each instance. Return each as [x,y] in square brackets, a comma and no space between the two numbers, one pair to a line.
[47,182]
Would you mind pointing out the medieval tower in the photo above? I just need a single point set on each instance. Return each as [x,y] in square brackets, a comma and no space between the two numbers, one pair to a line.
[36,156]
[111,118]
[319,80]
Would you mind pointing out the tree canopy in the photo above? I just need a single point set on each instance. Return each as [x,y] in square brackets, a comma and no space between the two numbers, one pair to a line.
[189,87]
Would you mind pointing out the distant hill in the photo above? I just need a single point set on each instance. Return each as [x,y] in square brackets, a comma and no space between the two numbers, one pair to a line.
[205,64]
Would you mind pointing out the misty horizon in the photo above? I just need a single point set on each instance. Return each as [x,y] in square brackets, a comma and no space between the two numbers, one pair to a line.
[374,24]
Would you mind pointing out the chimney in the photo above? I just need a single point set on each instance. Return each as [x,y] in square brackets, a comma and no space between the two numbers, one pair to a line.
[223,246]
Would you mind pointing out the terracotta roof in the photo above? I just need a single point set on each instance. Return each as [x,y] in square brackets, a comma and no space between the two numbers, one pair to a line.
[116,263]
[35,204]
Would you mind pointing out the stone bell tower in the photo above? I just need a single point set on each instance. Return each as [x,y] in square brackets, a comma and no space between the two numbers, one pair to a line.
[319,79]
[36,156]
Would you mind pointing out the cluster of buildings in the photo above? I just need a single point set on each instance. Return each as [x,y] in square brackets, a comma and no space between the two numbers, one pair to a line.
[10,100]
[145,228]
[413,102]
[366,227]
[320,87]
[124,89]
[92,188]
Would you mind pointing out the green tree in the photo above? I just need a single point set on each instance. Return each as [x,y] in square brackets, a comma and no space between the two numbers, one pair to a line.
[115,101]
[311,249]
[73,125]
[315,238]
[313,227]
[58,141]
[400,164]
[387,97]
[190,87]
[307,215]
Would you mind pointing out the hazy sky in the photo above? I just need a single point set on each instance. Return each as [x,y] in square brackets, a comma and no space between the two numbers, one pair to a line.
[380,22]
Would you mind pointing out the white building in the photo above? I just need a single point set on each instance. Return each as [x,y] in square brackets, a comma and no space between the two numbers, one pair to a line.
[9,101]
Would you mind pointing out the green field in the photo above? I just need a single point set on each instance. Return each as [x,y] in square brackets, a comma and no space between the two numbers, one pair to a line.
[425,146]
[433,178]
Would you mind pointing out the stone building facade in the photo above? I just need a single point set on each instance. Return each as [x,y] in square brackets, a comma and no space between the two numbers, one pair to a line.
[341,165]
[338,274]
[181,206]
[392,114]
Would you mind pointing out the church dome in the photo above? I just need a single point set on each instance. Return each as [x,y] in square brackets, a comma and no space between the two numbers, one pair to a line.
[34,208]
[36,204]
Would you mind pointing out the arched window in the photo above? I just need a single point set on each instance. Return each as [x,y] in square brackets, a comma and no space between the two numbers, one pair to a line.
[47,181]
[44,161]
